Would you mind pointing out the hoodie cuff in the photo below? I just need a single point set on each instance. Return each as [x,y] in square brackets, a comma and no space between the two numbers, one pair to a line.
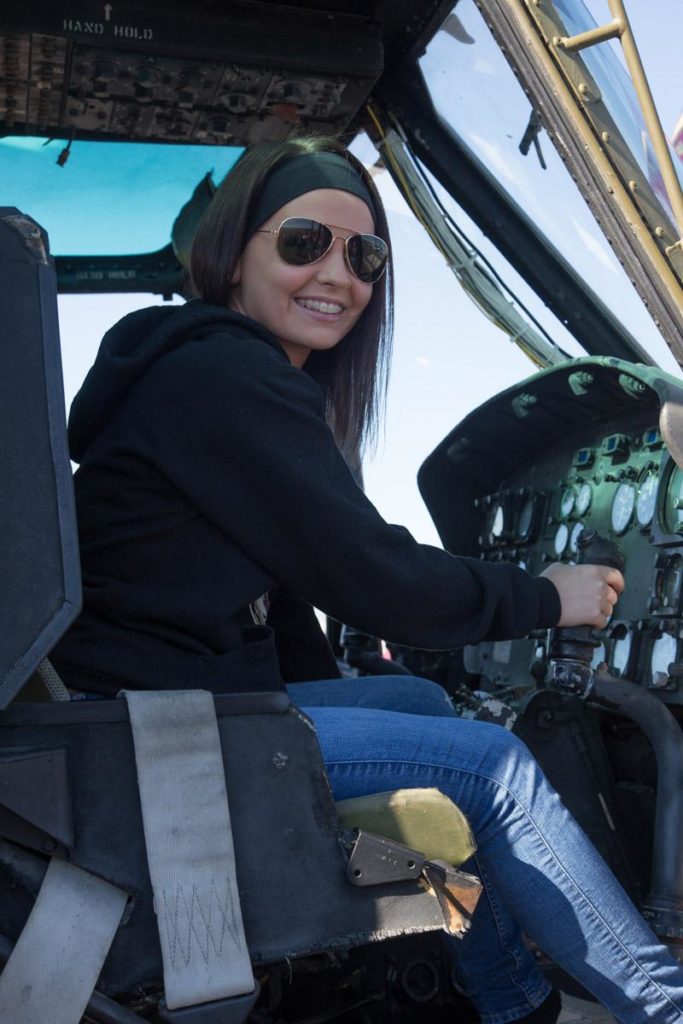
[549,605]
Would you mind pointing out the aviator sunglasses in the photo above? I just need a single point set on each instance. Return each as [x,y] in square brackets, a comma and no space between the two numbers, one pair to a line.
[301,241]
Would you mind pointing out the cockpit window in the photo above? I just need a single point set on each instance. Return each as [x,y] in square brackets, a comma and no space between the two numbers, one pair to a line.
[476,92]
[105,198]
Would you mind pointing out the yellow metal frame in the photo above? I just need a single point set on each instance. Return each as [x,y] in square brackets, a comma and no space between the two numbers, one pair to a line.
[620,28]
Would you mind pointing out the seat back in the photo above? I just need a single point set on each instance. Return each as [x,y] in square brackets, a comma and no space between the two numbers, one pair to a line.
[39,566]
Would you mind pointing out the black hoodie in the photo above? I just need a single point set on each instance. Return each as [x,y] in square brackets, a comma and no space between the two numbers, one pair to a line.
[207,477]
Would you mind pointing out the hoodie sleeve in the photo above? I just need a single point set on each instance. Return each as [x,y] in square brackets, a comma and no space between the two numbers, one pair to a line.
[241,433]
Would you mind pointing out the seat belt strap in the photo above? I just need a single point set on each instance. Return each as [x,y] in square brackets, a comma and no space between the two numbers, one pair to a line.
[190,852]
[57,960]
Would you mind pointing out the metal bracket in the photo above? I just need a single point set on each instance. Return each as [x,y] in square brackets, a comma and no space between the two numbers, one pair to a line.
[375,860]
[221,1011]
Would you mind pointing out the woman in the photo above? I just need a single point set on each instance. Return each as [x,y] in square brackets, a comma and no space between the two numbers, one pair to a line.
[215,507]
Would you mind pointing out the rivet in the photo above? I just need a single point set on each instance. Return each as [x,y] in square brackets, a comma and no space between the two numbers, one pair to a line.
[583,88]
[659,231]
[605,136]
[633,185]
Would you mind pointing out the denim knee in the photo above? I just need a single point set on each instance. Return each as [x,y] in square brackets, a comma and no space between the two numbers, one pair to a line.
[418,696]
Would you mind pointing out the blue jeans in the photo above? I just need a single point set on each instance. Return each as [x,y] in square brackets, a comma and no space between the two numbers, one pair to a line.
[540,872]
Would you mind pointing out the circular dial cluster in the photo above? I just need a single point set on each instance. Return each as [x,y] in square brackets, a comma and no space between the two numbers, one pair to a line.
[511,517]
[574,502]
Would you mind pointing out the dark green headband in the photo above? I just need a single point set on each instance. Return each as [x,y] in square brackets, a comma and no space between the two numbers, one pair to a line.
[305,173]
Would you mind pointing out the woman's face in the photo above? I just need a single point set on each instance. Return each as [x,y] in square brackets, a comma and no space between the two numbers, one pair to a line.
[309,308]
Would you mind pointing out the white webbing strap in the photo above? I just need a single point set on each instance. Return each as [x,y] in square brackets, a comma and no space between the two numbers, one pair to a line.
[189,846]
[54,966]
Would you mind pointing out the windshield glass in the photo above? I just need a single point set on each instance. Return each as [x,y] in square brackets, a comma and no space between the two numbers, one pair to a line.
[475,91]
[108,198]
[619,96]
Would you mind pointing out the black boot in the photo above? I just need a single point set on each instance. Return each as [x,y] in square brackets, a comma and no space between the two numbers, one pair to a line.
[546,1013]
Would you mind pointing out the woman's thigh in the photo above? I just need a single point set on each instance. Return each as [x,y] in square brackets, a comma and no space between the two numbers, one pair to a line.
[368,748]
[409,695]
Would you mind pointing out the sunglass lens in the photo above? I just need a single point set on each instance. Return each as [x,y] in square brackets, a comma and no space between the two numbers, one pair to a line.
[367,257]
[301,241]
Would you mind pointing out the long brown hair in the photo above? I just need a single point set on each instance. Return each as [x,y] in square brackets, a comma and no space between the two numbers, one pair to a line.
[354,374]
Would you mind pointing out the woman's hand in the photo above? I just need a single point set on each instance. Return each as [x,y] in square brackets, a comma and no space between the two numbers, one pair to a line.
[588,593]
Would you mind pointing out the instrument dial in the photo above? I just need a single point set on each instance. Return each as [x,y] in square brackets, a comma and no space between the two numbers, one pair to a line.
[577,530]
[623,504]
[497,522]
[663,653]
[673,510]
[561,539]
[528,520]
[567,501]
[621,652]
[647,497]
[668,584]
[583,499]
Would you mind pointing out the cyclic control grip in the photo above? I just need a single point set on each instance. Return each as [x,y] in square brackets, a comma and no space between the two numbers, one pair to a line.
[571,647]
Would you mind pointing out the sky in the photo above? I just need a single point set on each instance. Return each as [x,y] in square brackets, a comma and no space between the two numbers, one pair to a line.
[447,357]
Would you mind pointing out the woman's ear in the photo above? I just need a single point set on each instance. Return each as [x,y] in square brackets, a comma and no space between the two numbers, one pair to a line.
[236,274]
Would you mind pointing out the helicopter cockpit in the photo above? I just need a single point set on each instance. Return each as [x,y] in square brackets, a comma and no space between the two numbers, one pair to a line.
[123,119]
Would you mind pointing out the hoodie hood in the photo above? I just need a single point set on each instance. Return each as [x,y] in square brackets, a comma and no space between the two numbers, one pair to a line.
[131,346]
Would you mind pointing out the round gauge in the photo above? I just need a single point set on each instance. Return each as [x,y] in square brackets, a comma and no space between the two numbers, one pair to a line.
[583,499]
[647,497]
[673,508]
[497,522]
[561,539]
[577,530]
[599,655]
[663,653]
[621,652]
[622,507]
[526,518]
[567,500]
[668,583]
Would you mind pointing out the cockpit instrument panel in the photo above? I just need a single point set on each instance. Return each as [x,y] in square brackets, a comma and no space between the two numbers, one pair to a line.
[518,482]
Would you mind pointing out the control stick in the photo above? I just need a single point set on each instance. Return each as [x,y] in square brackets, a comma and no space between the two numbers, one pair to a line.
[571,653]
[571,647]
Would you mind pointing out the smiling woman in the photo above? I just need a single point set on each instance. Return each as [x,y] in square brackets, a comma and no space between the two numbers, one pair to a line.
[216,509]
[246,269]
